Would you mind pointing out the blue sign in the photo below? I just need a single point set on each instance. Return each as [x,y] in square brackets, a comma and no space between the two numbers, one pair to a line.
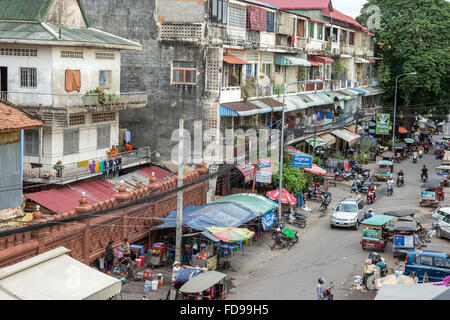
[268,219]
[301,161]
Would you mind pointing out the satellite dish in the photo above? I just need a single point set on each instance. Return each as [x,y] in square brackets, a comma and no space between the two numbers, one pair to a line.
[263,80]
[278,79]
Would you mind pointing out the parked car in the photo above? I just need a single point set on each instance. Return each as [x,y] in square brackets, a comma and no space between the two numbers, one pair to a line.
[348,213]
[435,263]
[441,222]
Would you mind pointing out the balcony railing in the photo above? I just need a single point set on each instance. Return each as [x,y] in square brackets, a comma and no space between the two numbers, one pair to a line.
[347,48]
[119,100]
[71,171]
[338,84]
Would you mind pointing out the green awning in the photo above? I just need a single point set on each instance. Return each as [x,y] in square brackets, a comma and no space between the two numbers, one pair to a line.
[377,220]
[251,201]
[325,97]
[317,142]
[285,60]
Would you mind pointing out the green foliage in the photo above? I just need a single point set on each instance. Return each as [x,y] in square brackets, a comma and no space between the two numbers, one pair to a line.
[245,88]
[293,179]
[101,96]
[278,90]
[363,158]
[366,144]
[413,37]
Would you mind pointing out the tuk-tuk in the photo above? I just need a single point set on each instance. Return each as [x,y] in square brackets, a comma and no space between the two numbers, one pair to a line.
[374,232]
[432,193]
[209,285]
[389,156]
[443,172]
[446,159]
[400,148]
[385,169]
[439,151]
[404,215]
[405,237]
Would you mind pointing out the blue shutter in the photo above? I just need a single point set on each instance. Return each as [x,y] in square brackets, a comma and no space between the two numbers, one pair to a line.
[270,21]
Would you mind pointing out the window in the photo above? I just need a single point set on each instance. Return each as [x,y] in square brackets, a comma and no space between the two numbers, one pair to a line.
[71,141]
[441,263]
[311,30]
[103,136]
[347,207]
[237,17]
[426,260]
[76,119]
[104,55]
[28,77]
[18,52]
[300,28]
[184,73]
[270,22]
[104,80]
[267,69]
[31,138]
[320,31]
[103,117]
[72,54]
[352,38]
[219,11]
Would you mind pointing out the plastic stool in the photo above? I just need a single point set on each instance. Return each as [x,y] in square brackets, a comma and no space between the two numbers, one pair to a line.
[116,269]
[148,274]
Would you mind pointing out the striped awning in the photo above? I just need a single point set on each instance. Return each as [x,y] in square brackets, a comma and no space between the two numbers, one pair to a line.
[225,112]
[333,94]
[325,97]
[285,60]
[317,100]
[357,90]
[349,92]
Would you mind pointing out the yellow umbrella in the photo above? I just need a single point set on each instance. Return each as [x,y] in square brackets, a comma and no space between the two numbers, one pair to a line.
[230,234]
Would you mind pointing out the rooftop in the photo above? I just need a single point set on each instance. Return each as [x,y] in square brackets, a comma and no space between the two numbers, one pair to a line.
[12,119]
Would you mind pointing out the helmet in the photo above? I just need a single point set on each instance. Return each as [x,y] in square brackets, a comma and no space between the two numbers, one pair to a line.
[278,229]
[370,210]
[321,280]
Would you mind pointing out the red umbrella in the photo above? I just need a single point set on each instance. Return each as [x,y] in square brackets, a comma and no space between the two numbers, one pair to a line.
[316,170]
[286,197]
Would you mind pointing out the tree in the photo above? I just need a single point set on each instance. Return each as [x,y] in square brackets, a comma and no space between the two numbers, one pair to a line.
[413,37]
[293,179]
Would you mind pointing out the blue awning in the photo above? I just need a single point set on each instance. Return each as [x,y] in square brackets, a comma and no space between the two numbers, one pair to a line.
[286,60]
[360,91]
[225,112]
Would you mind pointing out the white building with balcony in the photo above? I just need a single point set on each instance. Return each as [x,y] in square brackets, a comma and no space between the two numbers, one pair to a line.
[54,66]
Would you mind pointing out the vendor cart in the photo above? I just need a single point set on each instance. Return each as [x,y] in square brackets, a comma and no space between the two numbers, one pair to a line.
[210,285]
[374,232]
[432,193]
[158,254]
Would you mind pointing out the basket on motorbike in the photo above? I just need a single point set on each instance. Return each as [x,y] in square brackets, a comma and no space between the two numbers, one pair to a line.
[289,233]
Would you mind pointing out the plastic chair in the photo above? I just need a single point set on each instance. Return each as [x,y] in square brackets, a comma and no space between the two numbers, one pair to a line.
[116,269]
[226,250]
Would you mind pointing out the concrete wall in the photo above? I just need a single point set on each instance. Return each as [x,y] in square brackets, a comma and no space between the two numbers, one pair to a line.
[149,71]
[43,64]
[193,11]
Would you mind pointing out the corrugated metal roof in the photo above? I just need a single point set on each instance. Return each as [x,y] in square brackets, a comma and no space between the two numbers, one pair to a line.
[25,10]
[25,31]
[160,174]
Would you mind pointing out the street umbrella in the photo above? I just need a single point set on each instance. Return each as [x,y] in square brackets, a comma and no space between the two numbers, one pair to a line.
[230,234]
[409,140]
[316,170]
[286,197]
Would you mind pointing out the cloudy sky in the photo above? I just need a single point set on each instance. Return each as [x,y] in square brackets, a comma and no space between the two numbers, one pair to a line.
[349,7]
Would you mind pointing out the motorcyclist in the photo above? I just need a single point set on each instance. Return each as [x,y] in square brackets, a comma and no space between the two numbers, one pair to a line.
[415,154]
[420,153]
[424,172]
[320,289]
[401,174]
[390,183]
[368,214]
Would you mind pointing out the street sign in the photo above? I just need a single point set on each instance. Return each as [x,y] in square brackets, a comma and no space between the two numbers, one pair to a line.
[383,123]
[301,161]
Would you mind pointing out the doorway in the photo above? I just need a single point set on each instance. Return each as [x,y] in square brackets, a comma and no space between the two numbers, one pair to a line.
[3,82]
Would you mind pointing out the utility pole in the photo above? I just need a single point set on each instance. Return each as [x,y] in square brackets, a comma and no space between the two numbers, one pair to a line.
[179,228]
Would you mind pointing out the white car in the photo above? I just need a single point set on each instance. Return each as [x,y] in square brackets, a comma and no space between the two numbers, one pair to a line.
[441,222]
[348,213]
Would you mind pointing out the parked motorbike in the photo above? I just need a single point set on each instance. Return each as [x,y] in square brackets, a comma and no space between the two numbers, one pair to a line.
[327,292]
[314,194]
[365,173]
[371,196]
[280,240]
[326,199]
[348,175]
[297,219]
[400,181]
[356,185]
[365,185]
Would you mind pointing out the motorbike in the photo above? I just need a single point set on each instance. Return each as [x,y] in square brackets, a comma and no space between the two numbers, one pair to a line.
[280,240]
[400,181]
[327,292]
[356,185]
[414,159]
[424,177]
[390,190]
[420,154]
[326,199]
[426,148]
[365,185]
[297,219]
[365,173]
[371,197]
[313,194]
[348,175]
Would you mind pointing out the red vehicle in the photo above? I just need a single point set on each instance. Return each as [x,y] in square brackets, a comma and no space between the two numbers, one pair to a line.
[371,197]
[432,193]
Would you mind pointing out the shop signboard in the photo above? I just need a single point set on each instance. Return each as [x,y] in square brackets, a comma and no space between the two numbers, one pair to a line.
[383,123]
[264,170]
[404,242]
[301,161]
[371,234]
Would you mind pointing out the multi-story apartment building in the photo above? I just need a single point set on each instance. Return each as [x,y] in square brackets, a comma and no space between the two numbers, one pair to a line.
[56,66]
[225,62]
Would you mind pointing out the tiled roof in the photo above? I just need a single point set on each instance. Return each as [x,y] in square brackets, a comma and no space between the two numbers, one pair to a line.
[301,5]
[12,119]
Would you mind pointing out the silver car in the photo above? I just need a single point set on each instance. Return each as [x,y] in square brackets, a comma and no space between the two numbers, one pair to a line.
[441,222]
[348,213]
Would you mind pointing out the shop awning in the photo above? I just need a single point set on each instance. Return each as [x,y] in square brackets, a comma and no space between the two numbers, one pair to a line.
[274,104]
[229,58]
[316,99]
[349,92]
[360,60]
[334,94]
[346,95]
[371,91]
[265,107]
[316,142]
[45,277]
[313,63]
[251,201]
[286,60]
[346,135]
[371,61]
[325,97]
[328,138]
[321,59]
[293,103]
[240,109]
[402,129]
[359,91]
[203,281]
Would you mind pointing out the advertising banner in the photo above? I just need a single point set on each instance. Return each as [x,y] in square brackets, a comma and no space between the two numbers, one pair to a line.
[264,170]
[383,123]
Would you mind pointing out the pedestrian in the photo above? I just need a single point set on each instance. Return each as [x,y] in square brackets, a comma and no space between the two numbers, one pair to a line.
[175,269]
[126,248]
[320,288]
[109,257]
[368,214]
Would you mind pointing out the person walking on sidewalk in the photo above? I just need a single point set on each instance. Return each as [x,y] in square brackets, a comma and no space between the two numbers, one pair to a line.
[109,257]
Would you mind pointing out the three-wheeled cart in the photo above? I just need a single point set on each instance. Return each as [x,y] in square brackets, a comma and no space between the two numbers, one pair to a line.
[209,285]
[374,232]
[432,193]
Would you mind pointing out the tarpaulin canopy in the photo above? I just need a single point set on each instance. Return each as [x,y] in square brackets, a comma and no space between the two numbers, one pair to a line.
[203,281]
[377,220]
[45,277]
[251,201]
[359,91]
[325,97]
[360,60]
[293,103]
[230,234]
[225,214]
[328,138]
[316,142]
[346,135]
[402,129]
[321,59]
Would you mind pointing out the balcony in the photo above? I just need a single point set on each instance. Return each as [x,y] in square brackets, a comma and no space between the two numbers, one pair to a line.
[230,94]
[338,84]
[347,49]
[72,172]
[315,85]
[335,48]
[113,102]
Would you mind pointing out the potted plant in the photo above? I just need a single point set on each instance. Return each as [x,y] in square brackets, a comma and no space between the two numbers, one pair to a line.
[58,167]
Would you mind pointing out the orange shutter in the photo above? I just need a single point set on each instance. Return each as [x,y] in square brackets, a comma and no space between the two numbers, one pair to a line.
[73,80]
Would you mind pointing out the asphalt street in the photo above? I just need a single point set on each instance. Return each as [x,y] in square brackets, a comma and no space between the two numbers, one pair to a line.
[336,254]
